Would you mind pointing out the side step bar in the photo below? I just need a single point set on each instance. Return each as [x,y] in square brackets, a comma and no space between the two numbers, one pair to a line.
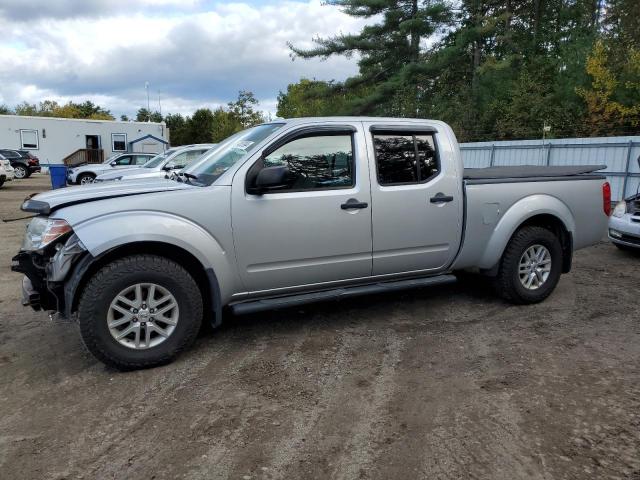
[337,294]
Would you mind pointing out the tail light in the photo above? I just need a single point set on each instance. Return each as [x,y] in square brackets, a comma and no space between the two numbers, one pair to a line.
[606,198]
[33,161]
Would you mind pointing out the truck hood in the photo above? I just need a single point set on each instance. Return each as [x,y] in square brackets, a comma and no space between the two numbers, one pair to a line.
[47,202]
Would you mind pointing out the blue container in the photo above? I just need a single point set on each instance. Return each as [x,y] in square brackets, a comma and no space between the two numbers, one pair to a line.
[58,175]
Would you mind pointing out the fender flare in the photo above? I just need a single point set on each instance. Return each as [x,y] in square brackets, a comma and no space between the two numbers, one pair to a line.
[521,211]
[102,235]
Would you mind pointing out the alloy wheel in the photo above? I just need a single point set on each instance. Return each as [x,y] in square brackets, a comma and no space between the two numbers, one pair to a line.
[20,172]
[534,267]
[143,316]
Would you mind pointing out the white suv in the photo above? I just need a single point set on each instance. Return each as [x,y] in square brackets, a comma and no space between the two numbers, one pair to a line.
[85,174]
[6,171]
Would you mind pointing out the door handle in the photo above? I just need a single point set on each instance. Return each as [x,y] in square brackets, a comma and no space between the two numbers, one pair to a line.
[441,198]
[353,203]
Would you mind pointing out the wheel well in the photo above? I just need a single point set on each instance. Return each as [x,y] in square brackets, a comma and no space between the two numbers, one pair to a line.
[557,226]
[166,250]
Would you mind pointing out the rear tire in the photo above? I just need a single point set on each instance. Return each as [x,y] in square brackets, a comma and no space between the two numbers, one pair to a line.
[85,178]
[516,271]
[20,172]
[103,298]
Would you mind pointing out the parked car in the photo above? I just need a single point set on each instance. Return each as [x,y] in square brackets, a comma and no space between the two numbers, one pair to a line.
[297,211]
[87,173]
[6,170]
[172,160]
[624,224]
[23,162]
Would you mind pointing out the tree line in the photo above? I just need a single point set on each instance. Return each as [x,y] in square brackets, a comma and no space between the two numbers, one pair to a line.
[211,126]
[51,108]
[493,69]
[203,126]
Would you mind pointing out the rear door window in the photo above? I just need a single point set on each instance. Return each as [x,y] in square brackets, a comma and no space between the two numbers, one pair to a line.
[10,154]
[405,158]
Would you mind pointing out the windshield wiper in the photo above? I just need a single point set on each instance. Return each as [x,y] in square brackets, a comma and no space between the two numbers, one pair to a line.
[189,175]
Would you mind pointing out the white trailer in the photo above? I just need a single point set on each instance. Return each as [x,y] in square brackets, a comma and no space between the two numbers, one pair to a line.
[54,139]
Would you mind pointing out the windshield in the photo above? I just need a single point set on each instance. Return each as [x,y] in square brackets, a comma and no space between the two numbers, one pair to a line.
[230,151]
[112,157]
[158,159]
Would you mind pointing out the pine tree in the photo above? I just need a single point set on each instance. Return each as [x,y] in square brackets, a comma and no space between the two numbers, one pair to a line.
[390,51]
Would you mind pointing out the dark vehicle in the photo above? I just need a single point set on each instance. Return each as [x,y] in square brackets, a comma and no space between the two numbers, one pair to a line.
[22,161]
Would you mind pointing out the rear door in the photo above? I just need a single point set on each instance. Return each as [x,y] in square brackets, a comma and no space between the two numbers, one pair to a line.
[140,160]
[416,196]
[317,228]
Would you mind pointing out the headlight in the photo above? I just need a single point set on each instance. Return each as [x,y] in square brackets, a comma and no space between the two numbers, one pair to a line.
[42,231]
[620,210]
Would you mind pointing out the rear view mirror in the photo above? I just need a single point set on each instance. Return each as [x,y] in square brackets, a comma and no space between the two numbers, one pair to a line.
[271,178]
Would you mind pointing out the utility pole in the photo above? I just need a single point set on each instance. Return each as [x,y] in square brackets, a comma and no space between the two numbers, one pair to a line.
[159,103]
[545,129]
[146,86]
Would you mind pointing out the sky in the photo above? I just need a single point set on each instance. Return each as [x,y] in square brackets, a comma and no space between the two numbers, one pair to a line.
[193,53]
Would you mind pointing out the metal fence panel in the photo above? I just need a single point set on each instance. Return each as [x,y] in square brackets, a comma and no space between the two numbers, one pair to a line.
[619,154]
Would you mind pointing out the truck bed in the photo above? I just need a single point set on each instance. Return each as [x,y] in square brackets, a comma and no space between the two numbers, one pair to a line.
[528,173]
[497,199]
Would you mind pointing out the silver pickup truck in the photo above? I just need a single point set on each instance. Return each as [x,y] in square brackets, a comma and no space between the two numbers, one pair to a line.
[298,211]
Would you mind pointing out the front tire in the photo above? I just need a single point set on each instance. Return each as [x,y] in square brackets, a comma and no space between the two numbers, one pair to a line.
[139,312]
[530,267]
[85,178]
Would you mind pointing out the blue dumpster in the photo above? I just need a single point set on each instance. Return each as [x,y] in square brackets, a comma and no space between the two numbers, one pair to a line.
[58,175]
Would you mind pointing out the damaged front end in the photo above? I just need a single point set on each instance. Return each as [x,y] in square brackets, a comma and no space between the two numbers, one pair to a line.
[49,252]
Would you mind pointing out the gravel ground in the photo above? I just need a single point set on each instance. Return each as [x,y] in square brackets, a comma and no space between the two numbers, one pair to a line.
[437,383]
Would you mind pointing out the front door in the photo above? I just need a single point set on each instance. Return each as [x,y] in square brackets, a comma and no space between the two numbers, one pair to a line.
[94,153]
[92,142]
[417,199]
[316,228]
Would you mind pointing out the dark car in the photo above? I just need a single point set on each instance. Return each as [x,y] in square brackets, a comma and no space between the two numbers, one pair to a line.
[22,161]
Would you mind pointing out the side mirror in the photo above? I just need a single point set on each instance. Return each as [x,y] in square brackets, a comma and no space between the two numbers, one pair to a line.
[271,178]
[113,164]
[171,166]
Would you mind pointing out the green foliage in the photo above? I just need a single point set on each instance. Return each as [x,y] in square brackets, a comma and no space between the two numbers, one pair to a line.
[51,108]
[200,126]
[243,110]
[176,124]
[206,126]
[314,98]
[144,115]
[494,69]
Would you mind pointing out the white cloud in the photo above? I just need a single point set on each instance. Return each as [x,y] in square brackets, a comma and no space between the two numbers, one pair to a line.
[195,57]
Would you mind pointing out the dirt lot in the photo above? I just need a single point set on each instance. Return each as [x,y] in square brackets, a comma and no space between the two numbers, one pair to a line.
[448,382]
